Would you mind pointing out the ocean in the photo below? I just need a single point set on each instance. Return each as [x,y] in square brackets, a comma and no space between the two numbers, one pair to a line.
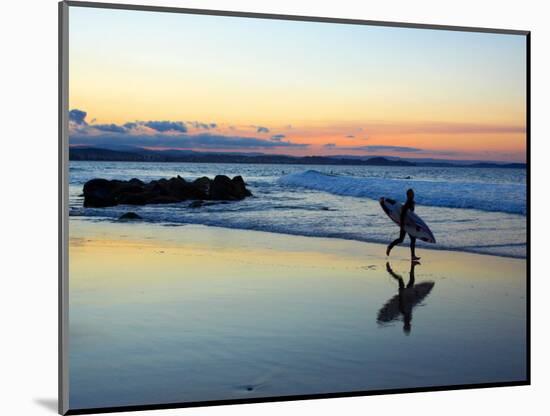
[479,210]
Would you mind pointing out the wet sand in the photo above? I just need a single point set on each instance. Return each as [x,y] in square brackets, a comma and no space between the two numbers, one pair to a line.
[162,314]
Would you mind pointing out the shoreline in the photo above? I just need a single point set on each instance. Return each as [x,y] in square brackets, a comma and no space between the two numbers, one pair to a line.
[419,246]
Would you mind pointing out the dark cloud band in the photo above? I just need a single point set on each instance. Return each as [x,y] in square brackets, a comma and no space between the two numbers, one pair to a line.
[164,126]
[182,141]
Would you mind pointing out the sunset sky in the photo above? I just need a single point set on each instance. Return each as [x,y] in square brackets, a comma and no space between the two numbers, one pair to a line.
[210,83]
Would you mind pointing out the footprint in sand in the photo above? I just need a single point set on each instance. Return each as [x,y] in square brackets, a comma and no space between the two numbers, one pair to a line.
[369,267]
[251,387]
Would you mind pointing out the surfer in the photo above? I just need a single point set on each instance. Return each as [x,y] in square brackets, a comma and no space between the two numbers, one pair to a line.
[408,206]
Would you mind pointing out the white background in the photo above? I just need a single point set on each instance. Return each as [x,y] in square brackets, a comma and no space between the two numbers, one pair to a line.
[28,204]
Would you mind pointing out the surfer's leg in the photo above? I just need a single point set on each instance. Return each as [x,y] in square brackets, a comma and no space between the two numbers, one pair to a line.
[413,247]
[397,241]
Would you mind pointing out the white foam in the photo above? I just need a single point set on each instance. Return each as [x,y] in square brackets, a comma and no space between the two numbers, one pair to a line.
[495,197]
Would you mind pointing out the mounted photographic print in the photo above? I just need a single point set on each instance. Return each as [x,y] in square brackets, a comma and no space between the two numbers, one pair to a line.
[263,207]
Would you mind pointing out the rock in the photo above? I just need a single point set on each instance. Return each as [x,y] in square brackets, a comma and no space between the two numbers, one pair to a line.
[100,193]
[203,184]
[221,188]
[225,189]
[130,216]
[135,181]
[164,199]
[133,198]
[196,204]
[238,181]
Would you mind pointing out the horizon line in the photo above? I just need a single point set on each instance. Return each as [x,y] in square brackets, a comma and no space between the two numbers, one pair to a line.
[340,156]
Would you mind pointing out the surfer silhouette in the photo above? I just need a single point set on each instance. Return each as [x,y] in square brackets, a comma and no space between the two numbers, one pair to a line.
[407,298]
[408,206]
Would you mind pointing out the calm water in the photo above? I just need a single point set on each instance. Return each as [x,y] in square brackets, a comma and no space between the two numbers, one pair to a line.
[472,210]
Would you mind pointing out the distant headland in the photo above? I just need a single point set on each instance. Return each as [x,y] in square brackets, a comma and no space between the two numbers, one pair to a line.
[145,155]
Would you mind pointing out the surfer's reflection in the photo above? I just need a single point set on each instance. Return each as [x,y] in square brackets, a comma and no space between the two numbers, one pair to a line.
[407,298]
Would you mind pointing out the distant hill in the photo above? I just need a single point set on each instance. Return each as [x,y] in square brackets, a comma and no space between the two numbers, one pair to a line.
[446,162]
[144,155]
[141,155]
[77,153]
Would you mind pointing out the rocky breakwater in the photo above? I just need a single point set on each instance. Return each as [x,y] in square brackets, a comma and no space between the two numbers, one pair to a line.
[100,193]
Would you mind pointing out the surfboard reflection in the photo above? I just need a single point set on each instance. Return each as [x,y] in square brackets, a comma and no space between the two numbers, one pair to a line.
[400,306]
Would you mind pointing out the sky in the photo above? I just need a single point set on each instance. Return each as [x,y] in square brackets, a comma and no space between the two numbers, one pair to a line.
[211,83]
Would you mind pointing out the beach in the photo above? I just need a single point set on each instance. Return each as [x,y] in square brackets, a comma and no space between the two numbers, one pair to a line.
[164,313]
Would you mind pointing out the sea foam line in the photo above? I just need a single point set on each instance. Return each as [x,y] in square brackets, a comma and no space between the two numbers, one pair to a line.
[493,197]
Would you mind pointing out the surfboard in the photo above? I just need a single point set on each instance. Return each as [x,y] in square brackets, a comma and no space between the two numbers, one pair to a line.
[413,223]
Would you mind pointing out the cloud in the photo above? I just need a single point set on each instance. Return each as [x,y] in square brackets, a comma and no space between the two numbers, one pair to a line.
[163,126]
[181,141]
[130,125]
[111,128]
[350,136]
[204,126]
[430,127]
[168,134]
[384,148]
[375,148]
[78,117]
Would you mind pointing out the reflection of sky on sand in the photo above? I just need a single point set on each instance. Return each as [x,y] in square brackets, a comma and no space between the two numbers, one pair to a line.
[171,314]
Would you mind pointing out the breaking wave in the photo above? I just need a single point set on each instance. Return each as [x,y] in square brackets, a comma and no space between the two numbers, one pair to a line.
[494,197]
